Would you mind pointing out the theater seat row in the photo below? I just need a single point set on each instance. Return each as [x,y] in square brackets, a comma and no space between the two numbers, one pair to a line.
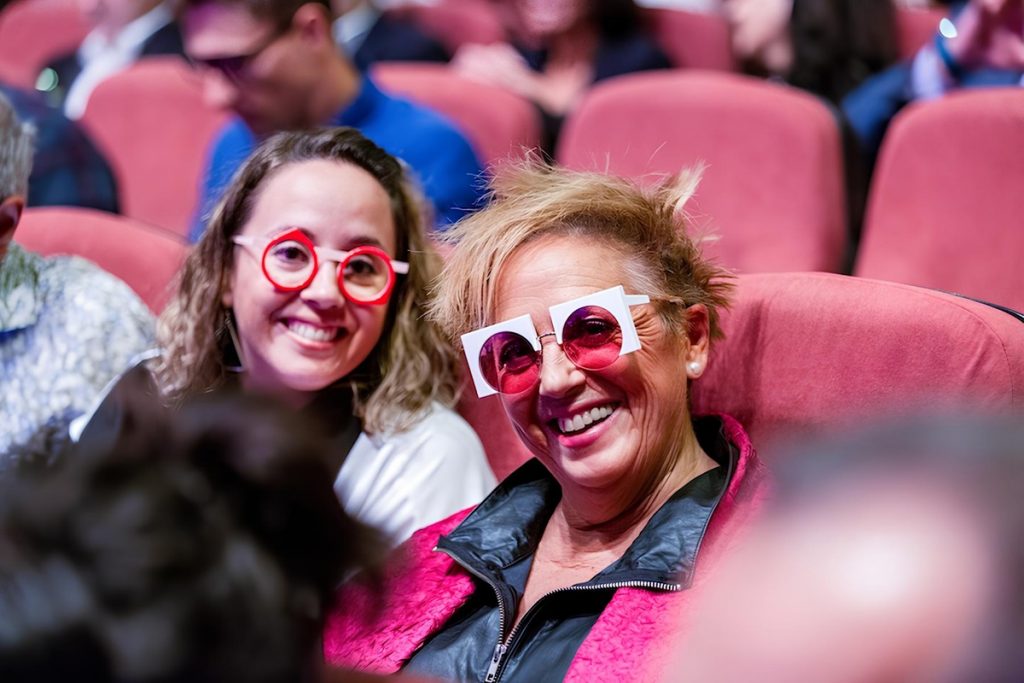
[943,210]
[34,31]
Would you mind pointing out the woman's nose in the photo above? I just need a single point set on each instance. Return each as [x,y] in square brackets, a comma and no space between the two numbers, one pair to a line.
[559,376]
[324,291]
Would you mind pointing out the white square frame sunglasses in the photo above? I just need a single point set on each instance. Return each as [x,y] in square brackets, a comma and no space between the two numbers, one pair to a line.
[614,300]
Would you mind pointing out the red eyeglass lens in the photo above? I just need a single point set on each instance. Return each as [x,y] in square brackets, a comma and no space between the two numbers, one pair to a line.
[592,338]
[509,363]
[289,263]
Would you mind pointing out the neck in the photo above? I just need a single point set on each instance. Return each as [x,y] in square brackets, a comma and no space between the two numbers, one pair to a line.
[337,88]
[607,521]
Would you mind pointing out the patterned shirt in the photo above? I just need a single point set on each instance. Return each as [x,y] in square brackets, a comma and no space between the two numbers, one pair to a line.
[66,329]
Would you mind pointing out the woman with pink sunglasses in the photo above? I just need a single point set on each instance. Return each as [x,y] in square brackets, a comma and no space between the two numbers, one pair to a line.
[310,285]
[583,305]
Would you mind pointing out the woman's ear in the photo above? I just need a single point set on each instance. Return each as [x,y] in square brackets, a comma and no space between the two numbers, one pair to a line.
[698,333]
[10,215]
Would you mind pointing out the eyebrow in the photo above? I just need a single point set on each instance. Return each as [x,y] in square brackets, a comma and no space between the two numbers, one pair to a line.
[351,243]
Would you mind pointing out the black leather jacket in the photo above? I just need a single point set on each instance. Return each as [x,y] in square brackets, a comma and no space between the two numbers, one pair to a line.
[496,544]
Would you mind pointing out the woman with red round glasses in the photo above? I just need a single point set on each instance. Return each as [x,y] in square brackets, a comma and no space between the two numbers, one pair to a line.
[586,309]
[310,285]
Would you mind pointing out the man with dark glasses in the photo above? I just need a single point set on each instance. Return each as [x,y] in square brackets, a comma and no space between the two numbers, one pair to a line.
[274,63]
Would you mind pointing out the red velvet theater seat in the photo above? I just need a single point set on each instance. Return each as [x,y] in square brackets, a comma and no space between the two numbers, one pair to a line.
[915,27]
[155,129]
[808,350]
[505,452]
[946,208]
[773,188]
[32,32]
[145,257]
[498,123]
[693,40]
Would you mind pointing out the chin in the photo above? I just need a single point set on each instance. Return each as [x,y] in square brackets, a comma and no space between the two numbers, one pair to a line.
[309,382]
[592,468]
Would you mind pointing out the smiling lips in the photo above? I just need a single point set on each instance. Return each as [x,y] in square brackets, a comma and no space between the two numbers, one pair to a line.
[584,420]
[314,333]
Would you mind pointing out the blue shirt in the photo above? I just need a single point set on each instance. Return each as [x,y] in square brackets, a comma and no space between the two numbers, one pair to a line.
[440,156]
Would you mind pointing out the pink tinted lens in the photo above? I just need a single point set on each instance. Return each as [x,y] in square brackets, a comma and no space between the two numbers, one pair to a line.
[509,363]
[592,338]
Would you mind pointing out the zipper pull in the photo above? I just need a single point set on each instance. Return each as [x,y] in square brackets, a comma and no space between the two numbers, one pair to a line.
[492,670]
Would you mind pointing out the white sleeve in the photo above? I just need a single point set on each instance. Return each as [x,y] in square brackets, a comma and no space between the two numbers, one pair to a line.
[403,482]
[929,78]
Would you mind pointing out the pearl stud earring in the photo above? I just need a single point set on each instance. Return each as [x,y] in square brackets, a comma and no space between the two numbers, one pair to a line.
[694,367]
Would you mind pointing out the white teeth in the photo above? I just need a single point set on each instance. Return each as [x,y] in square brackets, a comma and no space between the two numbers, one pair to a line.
[578,422]
[312,332]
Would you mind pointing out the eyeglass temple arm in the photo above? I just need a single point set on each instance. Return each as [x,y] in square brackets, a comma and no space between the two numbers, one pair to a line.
[637,299]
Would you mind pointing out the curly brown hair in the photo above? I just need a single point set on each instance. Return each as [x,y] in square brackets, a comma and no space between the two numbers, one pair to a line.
[411,366]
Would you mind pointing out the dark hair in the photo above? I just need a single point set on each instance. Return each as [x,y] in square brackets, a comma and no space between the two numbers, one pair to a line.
[837,44]
[412,364]
[204,546]
[277,12]
[615,18]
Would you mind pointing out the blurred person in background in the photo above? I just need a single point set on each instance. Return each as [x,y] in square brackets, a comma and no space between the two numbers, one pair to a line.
[987,50]
[310,285]
[827,47]
[561,48]
[583,306]
[123,32]
[369,34]
[276,66]
[890,554]
[66,327]
[204,545]
[68,169]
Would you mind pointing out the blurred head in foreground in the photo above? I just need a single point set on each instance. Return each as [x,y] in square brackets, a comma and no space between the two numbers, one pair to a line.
[203,547]
[894,555]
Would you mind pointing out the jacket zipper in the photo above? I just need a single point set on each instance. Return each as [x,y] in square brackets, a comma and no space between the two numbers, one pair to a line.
[501,649]
[498,660]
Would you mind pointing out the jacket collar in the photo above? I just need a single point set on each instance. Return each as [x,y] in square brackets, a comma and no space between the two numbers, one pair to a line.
[508,524]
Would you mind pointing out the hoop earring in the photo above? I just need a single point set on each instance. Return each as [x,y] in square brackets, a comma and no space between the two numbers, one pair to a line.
[236,346]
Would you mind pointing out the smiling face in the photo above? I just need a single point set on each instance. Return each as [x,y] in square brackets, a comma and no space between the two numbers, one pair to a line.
[299,342]
[636,407]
